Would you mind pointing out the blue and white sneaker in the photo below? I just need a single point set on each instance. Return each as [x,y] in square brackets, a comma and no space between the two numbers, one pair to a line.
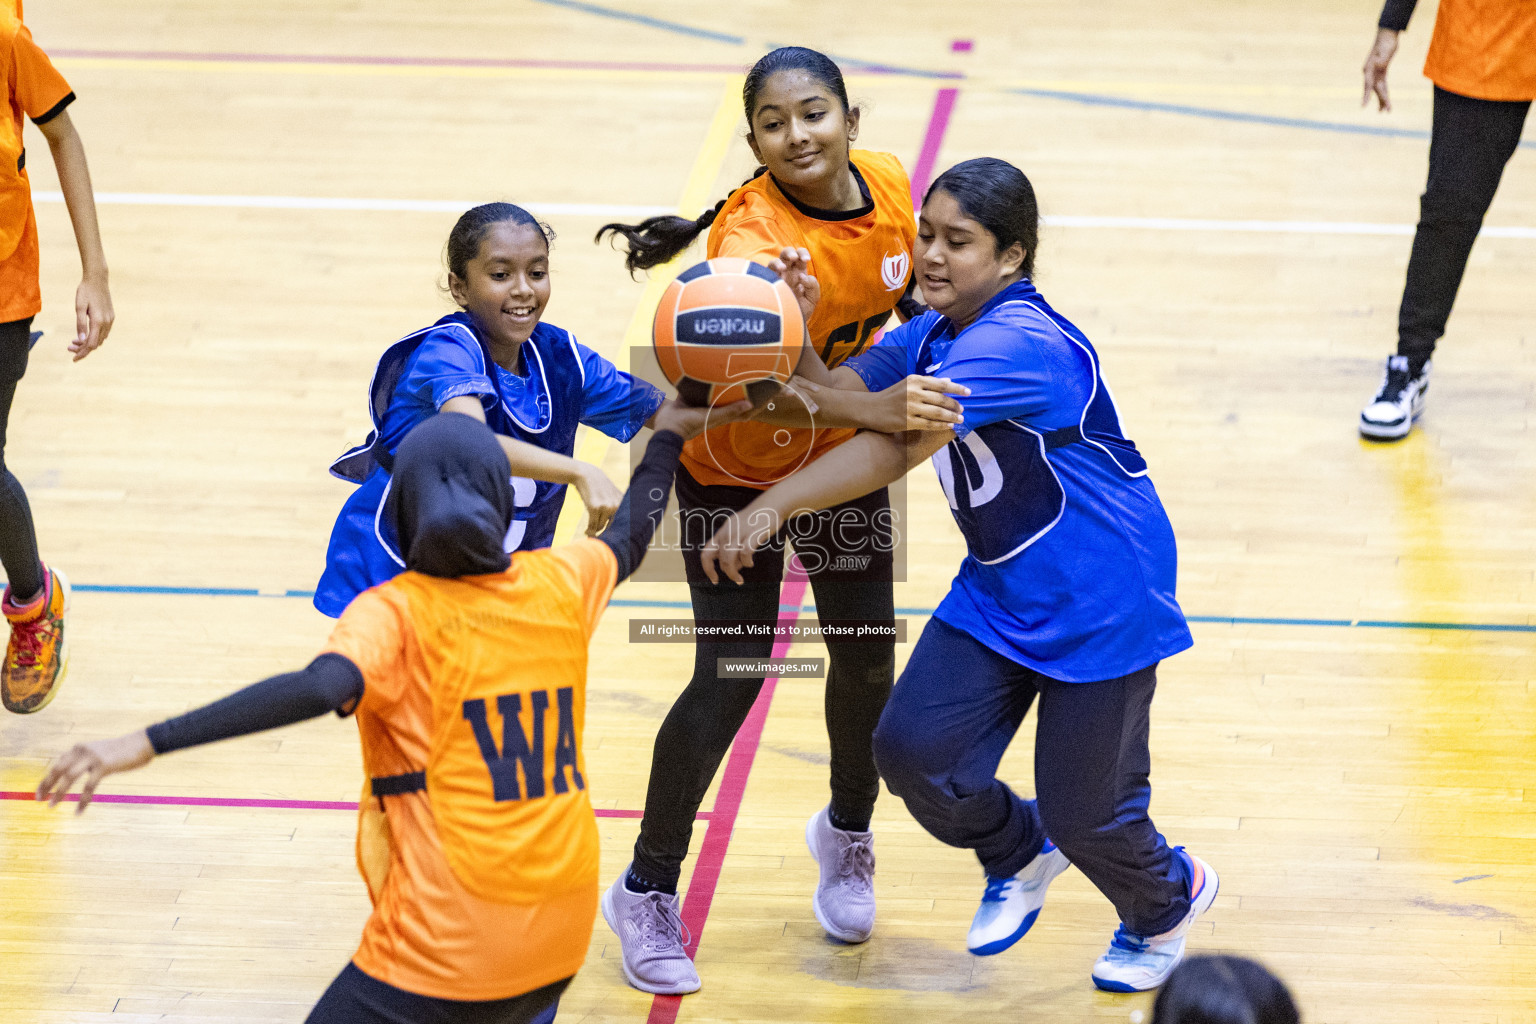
[1009,906]
[1137,963]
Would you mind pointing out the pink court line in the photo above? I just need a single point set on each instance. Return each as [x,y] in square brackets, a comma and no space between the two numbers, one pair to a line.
[933,138]
[236,801]
[385,61]
[733,786]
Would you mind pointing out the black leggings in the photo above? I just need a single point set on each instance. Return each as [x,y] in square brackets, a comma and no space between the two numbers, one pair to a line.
[1469,145]
[358,998]
[847,554]
[18,540]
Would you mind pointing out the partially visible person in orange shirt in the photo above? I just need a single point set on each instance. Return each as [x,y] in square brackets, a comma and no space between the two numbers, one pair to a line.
[467,675]
[36,597]
[1482,59]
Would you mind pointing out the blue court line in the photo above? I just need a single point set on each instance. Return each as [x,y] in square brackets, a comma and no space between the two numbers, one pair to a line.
[1216,114]
[128,588]
[1217,620]
[678,28]
[877,67]
[623,602]
[1086,98]
[646,20]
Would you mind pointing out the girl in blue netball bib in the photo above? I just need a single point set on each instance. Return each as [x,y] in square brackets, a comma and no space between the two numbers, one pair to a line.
[1066,593]
[531,382]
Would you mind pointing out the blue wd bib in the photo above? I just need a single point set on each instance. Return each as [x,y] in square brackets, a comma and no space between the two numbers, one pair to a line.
[564,385]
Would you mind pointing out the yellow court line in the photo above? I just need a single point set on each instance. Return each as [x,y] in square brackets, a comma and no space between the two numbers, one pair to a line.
[1452,669]
[593,446]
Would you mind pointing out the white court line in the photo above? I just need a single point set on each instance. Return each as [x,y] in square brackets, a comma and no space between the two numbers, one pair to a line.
[1291,227]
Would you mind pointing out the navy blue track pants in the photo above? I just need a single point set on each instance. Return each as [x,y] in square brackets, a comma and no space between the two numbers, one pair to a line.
[952,715]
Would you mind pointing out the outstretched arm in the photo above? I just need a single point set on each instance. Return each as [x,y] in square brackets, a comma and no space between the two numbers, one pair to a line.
[330,683]
[93,301]
[913,403]
[597,492]
[851,470]
[630,532]
[646,500]
[817,396]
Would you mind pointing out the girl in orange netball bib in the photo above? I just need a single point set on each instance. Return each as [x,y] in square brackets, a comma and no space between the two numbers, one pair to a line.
[850,212]
[36,595]
[467,677]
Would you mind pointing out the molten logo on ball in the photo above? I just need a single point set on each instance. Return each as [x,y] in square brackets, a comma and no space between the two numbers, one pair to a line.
[728,323]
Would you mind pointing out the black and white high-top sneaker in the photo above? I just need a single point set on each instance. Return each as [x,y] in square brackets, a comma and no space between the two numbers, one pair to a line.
[1390,415]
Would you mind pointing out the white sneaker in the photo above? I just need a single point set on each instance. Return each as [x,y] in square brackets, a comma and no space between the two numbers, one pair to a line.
[1009,906]
[1398,402]
[653,937]
[844,901]
[1137,963]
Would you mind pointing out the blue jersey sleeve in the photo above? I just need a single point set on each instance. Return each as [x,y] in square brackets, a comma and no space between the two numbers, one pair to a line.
[890,359]
[613,401]
[1007,375]
[448,363]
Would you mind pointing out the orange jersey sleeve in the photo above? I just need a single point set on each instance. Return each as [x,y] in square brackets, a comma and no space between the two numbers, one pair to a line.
[34,88]
[594,572]
[37,88]
[759,238]
[371,635]
[863,261]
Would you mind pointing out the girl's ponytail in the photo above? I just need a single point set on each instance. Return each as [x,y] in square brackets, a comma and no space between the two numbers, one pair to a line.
[656,240]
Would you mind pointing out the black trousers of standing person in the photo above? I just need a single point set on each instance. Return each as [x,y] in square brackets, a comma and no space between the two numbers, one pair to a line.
[696,734]
[1471,142]
[18,539]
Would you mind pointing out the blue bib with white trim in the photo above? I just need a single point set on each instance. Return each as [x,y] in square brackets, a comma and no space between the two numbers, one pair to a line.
[414,377]
[1071,562]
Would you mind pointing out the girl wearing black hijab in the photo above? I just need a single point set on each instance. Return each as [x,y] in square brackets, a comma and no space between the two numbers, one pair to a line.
[467,676]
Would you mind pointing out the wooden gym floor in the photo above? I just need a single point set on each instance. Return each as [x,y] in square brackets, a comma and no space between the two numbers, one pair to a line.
[1350,742]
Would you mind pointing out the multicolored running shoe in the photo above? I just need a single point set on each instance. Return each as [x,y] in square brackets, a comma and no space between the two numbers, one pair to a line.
[37,657]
